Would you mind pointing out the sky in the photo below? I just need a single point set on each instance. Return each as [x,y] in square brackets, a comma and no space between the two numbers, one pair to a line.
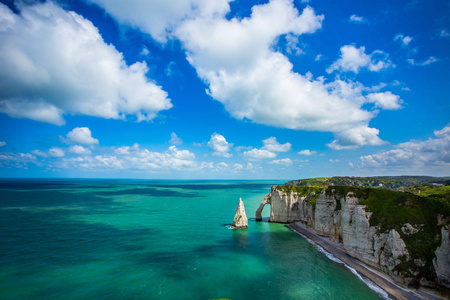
[201,89]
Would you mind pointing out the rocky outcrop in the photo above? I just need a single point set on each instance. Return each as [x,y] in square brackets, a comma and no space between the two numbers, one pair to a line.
[286,207]
[266,200]
[441,262]
[240,218]
[342,218]
[327,218]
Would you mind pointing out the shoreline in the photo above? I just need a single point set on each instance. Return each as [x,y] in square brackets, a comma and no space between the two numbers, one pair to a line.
[379,279]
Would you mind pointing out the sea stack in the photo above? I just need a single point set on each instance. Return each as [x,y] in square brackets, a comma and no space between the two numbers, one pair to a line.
[240,219]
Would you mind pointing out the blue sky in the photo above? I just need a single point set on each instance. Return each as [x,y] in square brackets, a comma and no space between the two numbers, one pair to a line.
[200,89]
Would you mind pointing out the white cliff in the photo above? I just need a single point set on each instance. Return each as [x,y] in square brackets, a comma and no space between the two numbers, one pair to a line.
[343,219]
[240,218]
[441,262]
[287,207]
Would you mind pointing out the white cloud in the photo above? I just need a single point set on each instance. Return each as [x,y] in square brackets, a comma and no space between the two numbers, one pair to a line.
[80,150]
[39,153]
[444,33]
[257,154]
[353,59]
[160,18]
[421,157]
[175,140]
[386,100]
[171,70]
[56,152]
[272,144]
[125,150]
[404,39]
[136,158]
[318,57]
[427,62]
[2,143]
[354,137]
[219,144]
[292,45]
[145,51]
[17,160]
[221,165]
[356,19]
[236,60]
[62,65]
[283,162]
[239,167]
[307,152]
[80,136]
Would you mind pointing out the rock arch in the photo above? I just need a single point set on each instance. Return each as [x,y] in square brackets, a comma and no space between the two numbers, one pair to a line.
[266,200]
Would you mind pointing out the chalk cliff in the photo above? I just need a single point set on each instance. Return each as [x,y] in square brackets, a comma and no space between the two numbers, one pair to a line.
[441,262]
[240,218]
[351,216]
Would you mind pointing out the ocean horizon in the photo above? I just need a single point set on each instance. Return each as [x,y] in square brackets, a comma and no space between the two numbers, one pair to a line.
[156,239]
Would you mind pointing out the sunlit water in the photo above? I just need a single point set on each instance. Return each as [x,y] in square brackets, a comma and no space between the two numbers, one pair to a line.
[136,239]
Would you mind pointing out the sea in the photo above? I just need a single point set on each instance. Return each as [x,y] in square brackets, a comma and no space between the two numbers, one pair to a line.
[156,239]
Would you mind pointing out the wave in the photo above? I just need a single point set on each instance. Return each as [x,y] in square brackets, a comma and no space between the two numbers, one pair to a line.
[330,256]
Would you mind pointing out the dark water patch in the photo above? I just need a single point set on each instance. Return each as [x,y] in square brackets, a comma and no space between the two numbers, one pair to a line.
[44,240]
[149,192]
[33,184]
[50,198]
[211,186]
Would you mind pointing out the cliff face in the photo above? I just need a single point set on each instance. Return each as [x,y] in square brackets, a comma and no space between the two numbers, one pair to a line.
[344,218]
[287,207]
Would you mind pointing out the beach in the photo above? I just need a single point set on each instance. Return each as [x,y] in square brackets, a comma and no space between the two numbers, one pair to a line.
[376,277]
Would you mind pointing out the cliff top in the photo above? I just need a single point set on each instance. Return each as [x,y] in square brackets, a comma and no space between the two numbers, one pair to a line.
[396,183]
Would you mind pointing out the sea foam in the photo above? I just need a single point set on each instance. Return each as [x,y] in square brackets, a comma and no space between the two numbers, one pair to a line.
[330,256]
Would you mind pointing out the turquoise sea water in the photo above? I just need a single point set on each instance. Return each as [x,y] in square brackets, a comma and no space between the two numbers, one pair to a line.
[137,239]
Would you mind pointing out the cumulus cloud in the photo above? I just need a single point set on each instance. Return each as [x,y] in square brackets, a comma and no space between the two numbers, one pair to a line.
[16,160]
[292,45]
[356,19]
[219,145]
[257,154]
[136,158]
[54,62]
[426,62]
[404,39]
[2,143]
[175,140]
[432,155]
[272,144]
[386,100]
[444,33]
[56,152]
[353,59]
[307,152]
[283,162]
[79,150]
[39,153]
[236,59]
[160,18]
[353,137]
[81,136]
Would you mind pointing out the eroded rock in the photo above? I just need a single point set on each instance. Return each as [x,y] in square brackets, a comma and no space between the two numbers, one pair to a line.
[441,262]
[240,218]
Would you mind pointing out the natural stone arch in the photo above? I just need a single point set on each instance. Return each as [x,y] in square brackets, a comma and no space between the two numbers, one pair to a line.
[267,200]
